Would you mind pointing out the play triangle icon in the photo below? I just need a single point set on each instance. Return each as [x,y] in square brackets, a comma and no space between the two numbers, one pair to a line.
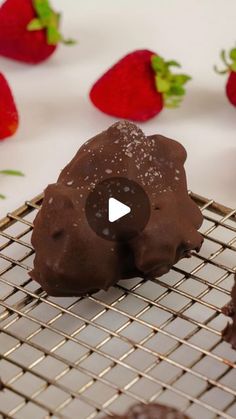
[116,210]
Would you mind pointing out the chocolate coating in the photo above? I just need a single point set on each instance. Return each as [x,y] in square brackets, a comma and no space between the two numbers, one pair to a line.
[229,333]
[151,411]
[71,259]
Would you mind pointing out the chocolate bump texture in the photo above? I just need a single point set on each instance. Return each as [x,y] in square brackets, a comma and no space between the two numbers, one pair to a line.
[71,260]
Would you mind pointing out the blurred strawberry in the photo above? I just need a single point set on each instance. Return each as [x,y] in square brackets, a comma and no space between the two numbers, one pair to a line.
[29,30]
[230,70]
[138,87]
[9,119]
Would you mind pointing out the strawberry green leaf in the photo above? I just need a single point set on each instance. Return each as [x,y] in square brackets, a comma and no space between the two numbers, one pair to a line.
[181,78]
[216,69]
[162,84]
[232,54]
[172,102]
[223,57]
[168,83]
[9,172]
[177,90]
[158,63]
[68,41]
[43,9]
[233,66]
[53,36]
[229,62]
[173,63]
[47,19]
[35,25]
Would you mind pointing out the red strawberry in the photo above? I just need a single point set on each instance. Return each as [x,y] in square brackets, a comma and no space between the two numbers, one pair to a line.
[231,71]
[138,87]
[9,119]
[29,30]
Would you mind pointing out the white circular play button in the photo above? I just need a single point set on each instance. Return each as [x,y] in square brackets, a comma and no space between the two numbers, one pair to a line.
[117,209]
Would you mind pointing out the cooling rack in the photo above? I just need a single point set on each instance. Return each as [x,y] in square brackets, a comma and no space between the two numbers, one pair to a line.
[141,341]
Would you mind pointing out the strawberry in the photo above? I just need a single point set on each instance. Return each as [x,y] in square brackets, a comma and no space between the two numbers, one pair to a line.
[230,70]
[29,30]
[138,87]
[9,119]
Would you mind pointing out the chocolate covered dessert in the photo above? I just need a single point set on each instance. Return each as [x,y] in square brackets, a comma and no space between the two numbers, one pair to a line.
[151,411]
[71,259]
[229,333]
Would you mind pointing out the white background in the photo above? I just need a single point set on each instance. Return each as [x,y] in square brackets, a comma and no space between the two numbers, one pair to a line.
[57,117]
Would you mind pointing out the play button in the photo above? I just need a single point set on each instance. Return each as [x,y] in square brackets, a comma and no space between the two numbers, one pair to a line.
[117,209]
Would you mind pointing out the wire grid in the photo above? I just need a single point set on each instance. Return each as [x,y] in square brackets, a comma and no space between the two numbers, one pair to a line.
[141,341]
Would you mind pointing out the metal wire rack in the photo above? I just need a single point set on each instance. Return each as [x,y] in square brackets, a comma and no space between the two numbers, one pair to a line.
[142,341]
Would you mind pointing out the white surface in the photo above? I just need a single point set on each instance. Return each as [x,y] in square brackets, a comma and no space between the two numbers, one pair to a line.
[117,210]
[57,117]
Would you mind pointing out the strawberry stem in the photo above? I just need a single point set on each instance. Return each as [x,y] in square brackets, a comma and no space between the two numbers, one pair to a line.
[10,172]
[229,61]
[169,84]
[49,20]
